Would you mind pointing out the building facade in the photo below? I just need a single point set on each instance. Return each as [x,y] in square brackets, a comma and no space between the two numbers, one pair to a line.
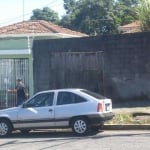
[16,60]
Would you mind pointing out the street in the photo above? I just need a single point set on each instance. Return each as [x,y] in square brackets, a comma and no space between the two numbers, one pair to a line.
[65,140]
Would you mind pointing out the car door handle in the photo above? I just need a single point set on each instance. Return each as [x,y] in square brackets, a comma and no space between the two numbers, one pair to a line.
[50,110]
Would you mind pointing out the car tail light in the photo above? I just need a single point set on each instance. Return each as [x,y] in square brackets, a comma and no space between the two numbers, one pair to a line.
[99,107]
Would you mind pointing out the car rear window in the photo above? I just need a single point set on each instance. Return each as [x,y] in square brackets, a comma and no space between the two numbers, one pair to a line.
[69,98]
[96,95]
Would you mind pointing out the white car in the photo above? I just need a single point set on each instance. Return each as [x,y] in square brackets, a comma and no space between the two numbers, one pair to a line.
[79,109]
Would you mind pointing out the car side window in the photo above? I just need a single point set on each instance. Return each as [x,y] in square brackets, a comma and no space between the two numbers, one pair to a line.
[41,100]
[69,98]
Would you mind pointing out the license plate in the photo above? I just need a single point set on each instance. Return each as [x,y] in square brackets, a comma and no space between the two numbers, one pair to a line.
[107,107]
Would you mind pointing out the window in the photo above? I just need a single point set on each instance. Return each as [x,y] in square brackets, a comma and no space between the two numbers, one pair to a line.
[98,96]
[41,100]
[69,98]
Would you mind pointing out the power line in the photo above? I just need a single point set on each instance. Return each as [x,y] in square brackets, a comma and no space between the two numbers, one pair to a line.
[51,5]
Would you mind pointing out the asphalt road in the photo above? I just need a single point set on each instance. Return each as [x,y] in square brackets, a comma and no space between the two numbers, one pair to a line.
[64,140]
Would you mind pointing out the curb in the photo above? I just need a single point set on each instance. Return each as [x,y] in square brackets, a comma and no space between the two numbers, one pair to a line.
[127,127]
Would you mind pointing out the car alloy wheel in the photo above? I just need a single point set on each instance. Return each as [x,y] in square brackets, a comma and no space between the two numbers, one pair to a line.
[80,126]
[5,127]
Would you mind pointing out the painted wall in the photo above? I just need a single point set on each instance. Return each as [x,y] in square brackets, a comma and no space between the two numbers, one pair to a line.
[15,62]
[126,70]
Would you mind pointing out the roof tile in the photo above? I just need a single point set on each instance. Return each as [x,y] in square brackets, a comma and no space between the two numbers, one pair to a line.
[37,26]
[130,28]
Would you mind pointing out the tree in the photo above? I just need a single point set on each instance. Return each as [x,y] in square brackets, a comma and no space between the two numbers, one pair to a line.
[129,3]
[93,17]
[124,10]
[96,17]
[70,6]
[45,14]
[143,12]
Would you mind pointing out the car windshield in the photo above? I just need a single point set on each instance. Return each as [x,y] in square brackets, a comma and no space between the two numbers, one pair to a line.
[98,96]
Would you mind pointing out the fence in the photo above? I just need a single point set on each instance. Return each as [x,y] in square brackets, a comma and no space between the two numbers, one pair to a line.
[10,71]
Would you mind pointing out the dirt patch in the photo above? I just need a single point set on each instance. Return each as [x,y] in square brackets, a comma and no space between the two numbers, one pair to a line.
[131,116]
[140,116]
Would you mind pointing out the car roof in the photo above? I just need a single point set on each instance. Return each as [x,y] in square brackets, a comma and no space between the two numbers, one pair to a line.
[59,90]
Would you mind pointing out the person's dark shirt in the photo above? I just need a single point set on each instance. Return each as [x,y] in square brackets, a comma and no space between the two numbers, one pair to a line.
[20,91]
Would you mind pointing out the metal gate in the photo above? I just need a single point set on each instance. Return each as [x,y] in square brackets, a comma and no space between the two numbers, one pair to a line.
[10,71]
[77,70]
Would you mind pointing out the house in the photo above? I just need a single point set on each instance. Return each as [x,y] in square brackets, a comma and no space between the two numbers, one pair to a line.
[16,53]
[38,28]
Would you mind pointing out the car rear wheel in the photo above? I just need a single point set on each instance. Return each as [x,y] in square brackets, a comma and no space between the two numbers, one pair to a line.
[80,126]
[5,128]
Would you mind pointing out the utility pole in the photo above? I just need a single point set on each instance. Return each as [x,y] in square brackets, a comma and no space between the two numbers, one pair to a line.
[23,10]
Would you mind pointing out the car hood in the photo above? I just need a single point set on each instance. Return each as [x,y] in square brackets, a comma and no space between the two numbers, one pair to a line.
[9,110]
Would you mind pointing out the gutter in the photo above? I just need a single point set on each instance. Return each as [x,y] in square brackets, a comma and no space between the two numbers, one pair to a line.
[126,127]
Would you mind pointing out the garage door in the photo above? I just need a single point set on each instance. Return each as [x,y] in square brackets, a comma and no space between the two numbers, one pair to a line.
[77,70]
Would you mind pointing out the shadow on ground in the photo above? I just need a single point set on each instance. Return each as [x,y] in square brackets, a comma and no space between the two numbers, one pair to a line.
[48,134]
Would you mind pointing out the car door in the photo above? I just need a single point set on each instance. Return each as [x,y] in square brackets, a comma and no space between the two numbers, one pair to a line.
[37,112]
[68,105]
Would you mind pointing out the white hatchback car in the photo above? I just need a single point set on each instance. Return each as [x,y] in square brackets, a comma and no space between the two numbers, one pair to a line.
[79,109]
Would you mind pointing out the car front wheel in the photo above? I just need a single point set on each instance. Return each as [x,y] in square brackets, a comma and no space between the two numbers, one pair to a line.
[80,126]
[5,128]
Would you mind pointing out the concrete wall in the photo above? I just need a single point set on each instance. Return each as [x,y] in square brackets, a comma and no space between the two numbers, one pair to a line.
[126,71]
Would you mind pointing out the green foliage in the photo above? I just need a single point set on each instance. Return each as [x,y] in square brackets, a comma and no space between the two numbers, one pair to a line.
[124,10]
[96,17]
[129,3]
[93,17]
[69,5]
[45,14]
[143,12]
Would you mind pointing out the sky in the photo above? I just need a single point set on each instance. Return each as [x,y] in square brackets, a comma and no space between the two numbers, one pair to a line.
[13,11]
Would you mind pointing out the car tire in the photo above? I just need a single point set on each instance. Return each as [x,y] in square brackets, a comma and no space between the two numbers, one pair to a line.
[5,127]
[80,126]
[25,131]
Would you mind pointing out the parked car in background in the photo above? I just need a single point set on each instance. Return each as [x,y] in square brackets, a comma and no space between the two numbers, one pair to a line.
[79,109]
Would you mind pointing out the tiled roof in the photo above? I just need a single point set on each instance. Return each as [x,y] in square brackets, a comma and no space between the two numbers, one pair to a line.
[130,28]
[37,27]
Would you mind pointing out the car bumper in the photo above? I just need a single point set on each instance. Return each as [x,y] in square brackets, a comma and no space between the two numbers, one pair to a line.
[99,118]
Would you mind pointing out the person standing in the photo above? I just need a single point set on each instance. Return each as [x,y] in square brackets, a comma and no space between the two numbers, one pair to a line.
[20,92]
